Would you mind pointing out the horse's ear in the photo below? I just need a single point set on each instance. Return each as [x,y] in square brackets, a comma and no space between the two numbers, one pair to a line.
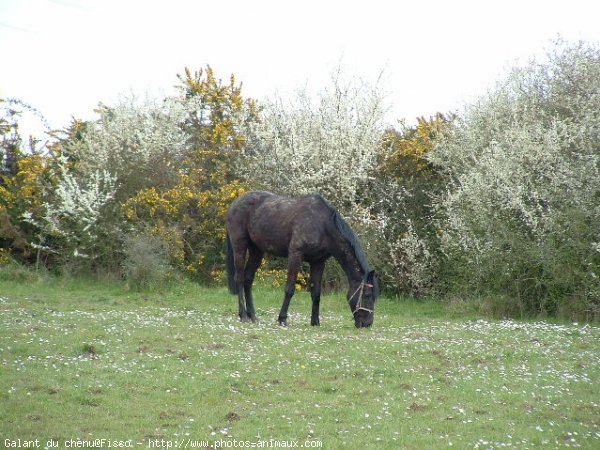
[373,278]
[370,277]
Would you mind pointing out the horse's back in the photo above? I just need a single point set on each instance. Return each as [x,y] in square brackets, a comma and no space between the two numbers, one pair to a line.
[255,203]
[274,223]
[242,208]
[250,200]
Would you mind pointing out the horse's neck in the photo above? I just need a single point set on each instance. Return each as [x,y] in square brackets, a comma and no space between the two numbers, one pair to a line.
[346,257]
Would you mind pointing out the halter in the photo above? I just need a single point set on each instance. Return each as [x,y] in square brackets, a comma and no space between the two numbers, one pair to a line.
[359,305]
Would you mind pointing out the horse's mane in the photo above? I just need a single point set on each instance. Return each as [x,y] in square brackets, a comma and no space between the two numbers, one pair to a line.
[344,228]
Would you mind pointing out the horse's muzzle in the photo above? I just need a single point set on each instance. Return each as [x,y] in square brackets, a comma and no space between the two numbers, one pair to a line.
[363,322]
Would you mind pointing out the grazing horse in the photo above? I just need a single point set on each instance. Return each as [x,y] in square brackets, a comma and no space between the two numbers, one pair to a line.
[301,229]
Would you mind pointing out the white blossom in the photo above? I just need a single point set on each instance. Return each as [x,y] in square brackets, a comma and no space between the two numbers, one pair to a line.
[139,142]
[76,211]
[523,163]
[325,144]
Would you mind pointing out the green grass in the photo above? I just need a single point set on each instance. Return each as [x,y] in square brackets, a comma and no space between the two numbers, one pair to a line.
[83,360]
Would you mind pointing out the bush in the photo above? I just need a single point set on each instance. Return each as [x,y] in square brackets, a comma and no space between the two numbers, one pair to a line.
[521,215]
[192,211]
[326,143]
[146,264]
[405,239]
[15,272]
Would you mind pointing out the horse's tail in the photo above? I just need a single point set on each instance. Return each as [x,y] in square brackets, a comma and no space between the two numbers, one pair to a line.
[230,268]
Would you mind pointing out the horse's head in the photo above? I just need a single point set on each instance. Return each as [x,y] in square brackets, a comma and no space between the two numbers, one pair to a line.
[361,298]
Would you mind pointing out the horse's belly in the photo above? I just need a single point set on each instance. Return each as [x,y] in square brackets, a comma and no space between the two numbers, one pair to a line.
[270,242]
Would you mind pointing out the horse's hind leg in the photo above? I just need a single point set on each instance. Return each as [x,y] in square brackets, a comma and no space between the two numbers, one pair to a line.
[254,262]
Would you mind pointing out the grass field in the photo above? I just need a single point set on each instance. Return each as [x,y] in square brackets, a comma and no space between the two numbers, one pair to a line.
[96,365]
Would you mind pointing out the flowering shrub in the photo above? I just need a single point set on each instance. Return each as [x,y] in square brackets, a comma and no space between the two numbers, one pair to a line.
[102,163]
[405,150]
[20,194]
[406,238]
[328,144]
[191,221]
[521,215]
[405,258]
[25,178]
[336,144]
[159,169]
[191,213]
[141,143]
[72,224]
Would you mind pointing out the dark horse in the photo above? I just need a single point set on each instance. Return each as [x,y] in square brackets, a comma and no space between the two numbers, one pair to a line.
[301,229]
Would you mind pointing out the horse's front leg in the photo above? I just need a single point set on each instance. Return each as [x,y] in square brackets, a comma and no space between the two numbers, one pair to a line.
[294,263]
[254,262]
[316,277]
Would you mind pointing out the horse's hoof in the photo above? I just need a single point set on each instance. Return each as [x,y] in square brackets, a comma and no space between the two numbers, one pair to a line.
[283,323]
[244,319]
[315,323]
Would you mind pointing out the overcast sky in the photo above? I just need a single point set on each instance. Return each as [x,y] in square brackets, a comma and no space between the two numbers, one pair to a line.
[65,56]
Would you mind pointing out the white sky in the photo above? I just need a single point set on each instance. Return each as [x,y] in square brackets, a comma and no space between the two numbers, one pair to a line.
[65,56]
